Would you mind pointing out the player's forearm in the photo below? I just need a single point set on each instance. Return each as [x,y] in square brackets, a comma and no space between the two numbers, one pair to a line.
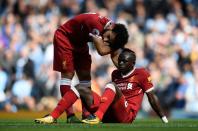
[114,56]
[153,100]
[156,106]
[101,47]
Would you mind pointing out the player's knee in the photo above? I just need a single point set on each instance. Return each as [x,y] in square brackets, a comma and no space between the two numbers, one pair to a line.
[111,86]
[115,89]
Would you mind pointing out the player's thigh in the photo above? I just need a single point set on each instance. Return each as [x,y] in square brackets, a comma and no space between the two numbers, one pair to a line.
[63,54]
[82,63]
[122,112]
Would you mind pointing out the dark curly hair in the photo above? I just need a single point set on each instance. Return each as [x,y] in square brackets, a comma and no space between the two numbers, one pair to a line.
[121,36]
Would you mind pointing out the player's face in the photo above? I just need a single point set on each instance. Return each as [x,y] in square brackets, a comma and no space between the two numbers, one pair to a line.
[125,63]
[108,37]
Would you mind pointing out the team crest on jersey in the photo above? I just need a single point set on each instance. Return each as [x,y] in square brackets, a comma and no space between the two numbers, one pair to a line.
[149,79]
[129,86]
[95,31]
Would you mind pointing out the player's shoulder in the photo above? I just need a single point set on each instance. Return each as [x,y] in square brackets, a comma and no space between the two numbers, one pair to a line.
[86,16]
[89,14]
[116,71]
[141,71]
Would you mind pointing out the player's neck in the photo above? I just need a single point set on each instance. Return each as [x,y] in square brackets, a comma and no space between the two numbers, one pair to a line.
[124,75]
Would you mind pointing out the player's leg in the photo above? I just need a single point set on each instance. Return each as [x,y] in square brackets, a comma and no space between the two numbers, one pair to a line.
[122,112]
[83,69]
[95,104]
[90,110]
[65,86]
[62,105]
[63,62]
[119,109]
[110,94]
[84,88]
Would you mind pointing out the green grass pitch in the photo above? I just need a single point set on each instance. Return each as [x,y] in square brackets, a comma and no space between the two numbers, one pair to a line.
[138,125]
[24,121]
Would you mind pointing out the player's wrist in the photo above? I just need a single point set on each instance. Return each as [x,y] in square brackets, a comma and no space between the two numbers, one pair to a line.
[164,119]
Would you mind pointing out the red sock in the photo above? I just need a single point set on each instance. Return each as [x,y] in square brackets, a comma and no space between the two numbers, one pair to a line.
[63,90]
[106,99]
[67,101]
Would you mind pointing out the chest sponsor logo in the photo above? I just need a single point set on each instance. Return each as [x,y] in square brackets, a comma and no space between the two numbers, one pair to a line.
[125,86]
[149,79]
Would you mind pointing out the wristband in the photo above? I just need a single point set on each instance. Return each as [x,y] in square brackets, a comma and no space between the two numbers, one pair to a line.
[164,119]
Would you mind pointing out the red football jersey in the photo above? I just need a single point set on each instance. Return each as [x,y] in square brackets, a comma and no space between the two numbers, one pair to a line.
[133,86]
[79,27]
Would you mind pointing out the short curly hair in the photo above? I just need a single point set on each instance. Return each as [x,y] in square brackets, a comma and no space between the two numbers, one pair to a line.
[121,36]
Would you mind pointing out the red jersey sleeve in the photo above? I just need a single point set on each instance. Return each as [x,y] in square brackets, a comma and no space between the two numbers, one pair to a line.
[105,21]
[145,80]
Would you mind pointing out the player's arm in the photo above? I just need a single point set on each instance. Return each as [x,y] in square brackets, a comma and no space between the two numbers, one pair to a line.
[154,102]
[102,47]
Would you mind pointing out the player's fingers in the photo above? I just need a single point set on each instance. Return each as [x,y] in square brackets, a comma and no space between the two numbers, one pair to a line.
[92,35]
[96,36]
[99,37]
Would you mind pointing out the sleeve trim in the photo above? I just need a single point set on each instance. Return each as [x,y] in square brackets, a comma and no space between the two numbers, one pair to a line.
[150,89]
[108,23]
[111,86]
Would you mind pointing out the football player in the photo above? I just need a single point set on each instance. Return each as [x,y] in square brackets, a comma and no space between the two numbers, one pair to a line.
[122,98]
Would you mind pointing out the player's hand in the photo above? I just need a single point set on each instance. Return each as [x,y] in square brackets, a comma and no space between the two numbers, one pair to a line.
[98,38]
[164,119]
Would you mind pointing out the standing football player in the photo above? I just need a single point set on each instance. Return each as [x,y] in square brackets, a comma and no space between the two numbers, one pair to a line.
[122,98]
[71,54]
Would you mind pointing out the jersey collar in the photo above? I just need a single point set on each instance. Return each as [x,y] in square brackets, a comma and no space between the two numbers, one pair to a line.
[128,74]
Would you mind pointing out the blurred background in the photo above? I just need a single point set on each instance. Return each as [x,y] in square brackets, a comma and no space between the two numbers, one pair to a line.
[163,33]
